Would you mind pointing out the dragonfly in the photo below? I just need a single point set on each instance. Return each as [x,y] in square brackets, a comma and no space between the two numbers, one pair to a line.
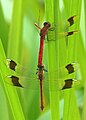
[16,81]
[66,33]
[43,33]
[40,78]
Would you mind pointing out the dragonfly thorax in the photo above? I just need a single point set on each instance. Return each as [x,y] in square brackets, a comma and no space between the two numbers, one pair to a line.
[40,72]
[44,30]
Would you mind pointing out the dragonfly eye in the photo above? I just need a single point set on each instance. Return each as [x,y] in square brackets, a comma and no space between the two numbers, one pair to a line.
[47,24]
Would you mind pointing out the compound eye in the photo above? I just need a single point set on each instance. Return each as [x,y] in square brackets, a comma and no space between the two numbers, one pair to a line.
[47,24]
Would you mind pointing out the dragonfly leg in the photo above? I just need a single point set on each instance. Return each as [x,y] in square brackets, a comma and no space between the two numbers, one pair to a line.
[45,70]
[37,26]
[37,72]
[52,29]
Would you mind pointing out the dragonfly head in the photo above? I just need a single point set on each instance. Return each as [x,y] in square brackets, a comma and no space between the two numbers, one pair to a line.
[47,24]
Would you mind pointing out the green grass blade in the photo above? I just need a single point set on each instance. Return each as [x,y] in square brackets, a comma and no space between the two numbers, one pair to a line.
[83,28]
[15,35]
[11,93]
[54,96]
[14,48]
[64,105]
[70,104]
[3,29]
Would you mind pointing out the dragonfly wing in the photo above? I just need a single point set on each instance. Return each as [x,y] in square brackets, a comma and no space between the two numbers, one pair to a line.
[63,84]
[34,84]
[18,68]
[14,65]
[69,83]
[65,75]
[24,82]
[64,71]
[72,32]
[67,34]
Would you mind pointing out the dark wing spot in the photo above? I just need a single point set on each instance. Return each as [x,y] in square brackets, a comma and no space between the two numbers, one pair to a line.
[70,33]
[71,20]
[70,68]
[15,81]
[12,65]
[68,84]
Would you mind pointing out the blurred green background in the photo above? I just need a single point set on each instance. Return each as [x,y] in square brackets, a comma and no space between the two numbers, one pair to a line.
[20,41]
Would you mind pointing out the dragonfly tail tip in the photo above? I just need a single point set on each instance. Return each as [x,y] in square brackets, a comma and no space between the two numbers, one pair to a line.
[42,108]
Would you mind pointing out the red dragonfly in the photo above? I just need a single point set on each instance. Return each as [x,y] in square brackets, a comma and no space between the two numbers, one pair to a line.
[43,32]
[39,76]
[40,70]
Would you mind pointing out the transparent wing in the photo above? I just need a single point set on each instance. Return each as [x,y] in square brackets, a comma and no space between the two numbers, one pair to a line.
[13,65]
[68,70]
[63,29]
[19,81]
[67,33]
[61,72]
[17,68]
[34,83]
[31,80]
